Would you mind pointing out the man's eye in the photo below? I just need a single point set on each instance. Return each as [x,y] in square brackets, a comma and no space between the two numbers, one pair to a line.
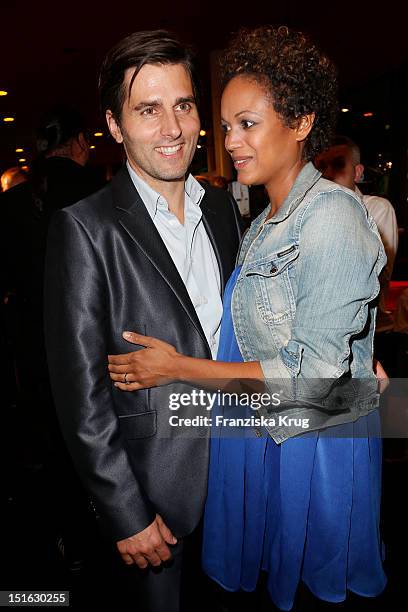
[184,107]
[246,123]
[149,111]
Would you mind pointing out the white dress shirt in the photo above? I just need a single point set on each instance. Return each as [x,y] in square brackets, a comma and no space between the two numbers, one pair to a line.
[191,251]
[383,213]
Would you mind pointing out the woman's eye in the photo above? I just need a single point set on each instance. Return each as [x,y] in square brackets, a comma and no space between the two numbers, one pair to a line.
[246,123]
[225,128]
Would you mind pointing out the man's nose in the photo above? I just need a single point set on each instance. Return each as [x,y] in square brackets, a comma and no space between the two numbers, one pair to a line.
[170,126]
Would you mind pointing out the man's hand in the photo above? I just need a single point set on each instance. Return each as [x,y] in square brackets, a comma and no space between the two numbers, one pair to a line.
[148,546]
[150,367]
[382,376]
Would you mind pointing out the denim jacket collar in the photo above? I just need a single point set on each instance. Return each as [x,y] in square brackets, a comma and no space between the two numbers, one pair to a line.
[305,180]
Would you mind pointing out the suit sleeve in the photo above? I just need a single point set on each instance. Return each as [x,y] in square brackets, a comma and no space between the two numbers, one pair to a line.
[75,330]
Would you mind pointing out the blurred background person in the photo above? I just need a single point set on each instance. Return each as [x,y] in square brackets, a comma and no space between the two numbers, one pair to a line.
[61,176]
[58,178]
[341,163]
[12,177]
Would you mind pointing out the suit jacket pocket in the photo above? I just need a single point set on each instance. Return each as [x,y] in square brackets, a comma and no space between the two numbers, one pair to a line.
[140,425]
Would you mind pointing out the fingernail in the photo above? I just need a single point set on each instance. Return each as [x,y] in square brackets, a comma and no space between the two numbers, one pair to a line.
[115,385]
[126,334]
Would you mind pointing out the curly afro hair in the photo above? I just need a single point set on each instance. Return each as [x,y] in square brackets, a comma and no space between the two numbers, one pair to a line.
[297,76]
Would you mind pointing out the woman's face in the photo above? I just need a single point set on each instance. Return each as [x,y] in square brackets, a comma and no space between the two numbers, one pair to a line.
[262,148]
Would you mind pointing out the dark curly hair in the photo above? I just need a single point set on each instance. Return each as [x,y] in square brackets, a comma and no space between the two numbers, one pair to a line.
[299,78]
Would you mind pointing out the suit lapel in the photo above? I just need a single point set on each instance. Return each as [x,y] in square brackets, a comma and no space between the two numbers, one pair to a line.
[214,230]
[137,222]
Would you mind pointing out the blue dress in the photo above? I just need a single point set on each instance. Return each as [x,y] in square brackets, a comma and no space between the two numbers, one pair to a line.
[305,510]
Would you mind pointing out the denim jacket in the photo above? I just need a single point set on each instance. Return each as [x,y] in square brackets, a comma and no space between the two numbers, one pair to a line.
[303,304]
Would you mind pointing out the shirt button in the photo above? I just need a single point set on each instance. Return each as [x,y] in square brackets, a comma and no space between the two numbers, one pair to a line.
[258,433]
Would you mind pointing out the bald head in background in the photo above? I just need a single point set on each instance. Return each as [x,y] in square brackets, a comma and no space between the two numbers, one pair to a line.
[12,177]
[341,163]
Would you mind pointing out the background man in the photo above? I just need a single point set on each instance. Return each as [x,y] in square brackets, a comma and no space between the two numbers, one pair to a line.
[149,252]
[341,163]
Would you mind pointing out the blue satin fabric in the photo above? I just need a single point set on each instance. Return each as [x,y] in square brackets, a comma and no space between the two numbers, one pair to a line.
[306,510]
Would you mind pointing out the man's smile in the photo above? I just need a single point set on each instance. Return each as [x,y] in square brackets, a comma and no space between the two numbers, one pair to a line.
[169,151]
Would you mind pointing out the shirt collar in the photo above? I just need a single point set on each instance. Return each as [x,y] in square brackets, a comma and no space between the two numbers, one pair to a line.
[306,178]
[154,200]
[194,190]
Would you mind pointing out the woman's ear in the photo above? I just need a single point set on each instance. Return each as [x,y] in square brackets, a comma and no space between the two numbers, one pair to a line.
[305,124]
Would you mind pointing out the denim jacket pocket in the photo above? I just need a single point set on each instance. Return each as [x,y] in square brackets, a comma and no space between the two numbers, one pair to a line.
[272,285]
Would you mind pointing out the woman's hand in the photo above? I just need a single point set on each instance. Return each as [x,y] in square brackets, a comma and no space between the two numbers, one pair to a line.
[149,367]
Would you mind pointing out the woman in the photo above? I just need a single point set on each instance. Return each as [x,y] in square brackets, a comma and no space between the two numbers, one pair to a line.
[298,314]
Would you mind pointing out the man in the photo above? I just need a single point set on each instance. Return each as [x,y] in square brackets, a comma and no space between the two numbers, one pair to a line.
[60,172]
[150,252]
[341,163]
[58,178]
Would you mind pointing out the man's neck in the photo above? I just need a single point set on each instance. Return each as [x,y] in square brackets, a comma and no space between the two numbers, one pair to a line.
[171,191]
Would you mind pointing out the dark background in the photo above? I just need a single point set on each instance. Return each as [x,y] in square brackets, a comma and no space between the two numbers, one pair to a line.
[50,52]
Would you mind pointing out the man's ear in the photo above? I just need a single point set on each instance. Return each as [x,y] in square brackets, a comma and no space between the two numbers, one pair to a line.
[304,126]
[358,173]
[114,127]
[82,141]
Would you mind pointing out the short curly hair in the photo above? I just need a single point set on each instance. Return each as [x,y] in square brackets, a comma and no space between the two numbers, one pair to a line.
[299,78]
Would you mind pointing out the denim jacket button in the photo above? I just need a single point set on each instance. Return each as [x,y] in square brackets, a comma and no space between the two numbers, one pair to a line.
[273,269]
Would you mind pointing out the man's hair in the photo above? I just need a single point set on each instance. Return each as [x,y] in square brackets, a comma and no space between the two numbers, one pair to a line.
[296,75]
[59,125]
[346,141]
[134,51]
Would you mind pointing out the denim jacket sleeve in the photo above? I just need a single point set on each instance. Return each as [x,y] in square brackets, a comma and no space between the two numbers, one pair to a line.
[340,257]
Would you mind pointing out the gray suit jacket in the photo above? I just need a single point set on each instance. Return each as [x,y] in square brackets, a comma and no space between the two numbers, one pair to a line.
[108,270]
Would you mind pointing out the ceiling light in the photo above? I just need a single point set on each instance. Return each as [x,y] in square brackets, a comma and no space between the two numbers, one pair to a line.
[345,110]
[3,92]
[368,114]
[22,160]
[19,150]
[8,119]
[92,147]
[198,146]
[202,132]
[98,134]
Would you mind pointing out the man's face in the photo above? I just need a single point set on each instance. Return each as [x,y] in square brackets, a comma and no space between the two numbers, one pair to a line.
[159,126]
[336,164]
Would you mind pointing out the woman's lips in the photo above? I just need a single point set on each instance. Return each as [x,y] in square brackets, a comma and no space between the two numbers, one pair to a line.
[241,162]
